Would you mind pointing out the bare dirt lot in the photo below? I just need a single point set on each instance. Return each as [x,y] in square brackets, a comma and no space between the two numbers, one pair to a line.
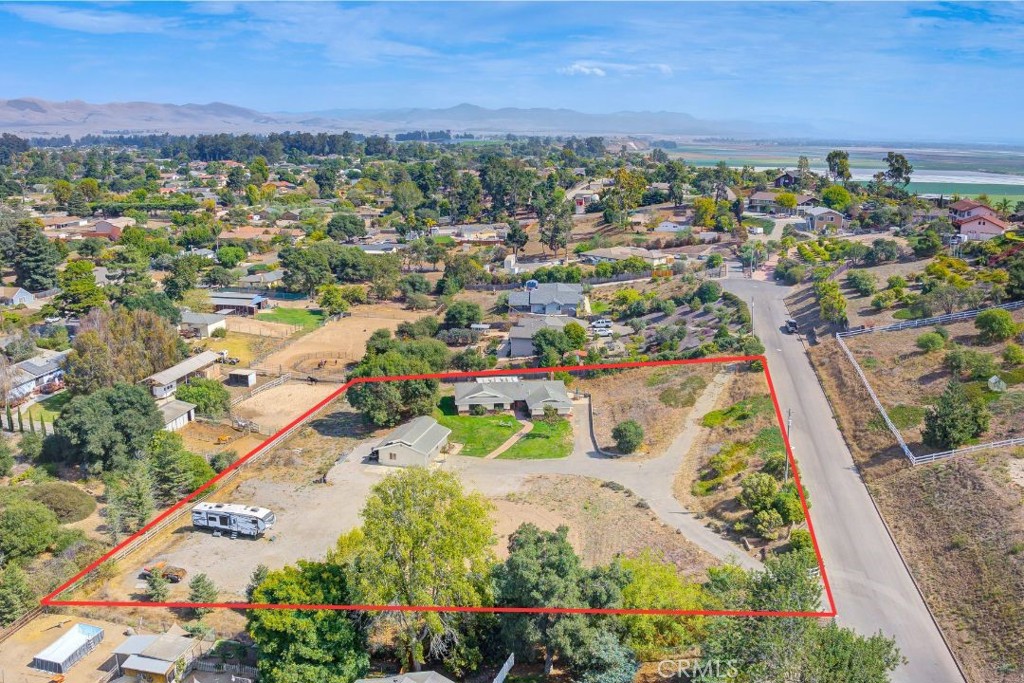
[343,339]
[658,398]
[604,522]
[276,407]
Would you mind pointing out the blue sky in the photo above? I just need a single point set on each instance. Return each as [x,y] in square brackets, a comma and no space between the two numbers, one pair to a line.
[909,70]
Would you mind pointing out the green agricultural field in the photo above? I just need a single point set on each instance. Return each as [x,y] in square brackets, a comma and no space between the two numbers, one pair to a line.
[305,318]
[547,440]
[479,434]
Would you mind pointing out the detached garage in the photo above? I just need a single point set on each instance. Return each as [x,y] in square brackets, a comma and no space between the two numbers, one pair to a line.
[69,649]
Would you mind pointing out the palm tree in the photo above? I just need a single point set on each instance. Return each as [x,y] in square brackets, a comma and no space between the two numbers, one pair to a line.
[1003,207]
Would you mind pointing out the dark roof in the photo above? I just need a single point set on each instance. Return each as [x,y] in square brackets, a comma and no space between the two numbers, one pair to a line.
[548,293]
[527,327]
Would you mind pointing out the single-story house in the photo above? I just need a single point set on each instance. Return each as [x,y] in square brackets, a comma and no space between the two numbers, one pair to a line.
[111,228]
[549,298]
[968,208]
[983,227]
[32,374]
[271,278]
[416,443]
[204,324]
[481,232]
[261,234]
[823,219]
[245,303]
[671,226]
[176,414]
[15,296]
[613,254]
[520,337]
[163,384]
[167,658]
[63,222]
[767,202]
[508,393]
[379,247]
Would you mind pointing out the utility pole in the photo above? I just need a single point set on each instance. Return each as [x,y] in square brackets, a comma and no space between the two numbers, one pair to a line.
[751,315]
[789,435]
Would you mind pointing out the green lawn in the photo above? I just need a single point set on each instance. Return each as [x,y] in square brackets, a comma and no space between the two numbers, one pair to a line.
[479,434]
[547,440]
[49,408]
[308,319]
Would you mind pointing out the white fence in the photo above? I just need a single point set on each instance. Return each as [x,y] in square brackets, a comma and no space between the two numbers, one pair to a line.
[261,388]
[217,667]
[910,324]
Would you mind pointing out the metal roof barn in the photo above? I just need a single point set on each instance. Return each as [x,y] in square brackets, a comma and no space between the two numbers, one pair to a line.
[69,649]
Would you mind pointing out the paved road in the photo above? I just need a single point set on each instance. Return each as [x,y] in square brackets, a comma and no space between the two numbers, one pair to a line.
[872,588]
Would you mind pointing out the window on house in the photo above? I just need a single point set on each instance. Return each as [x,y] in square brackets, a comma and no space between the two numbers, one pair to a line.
[392,456]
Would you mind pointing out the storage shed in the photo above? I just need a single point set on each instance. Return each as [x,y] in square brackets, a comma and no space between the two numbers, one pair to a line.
[69,649]
[242,378]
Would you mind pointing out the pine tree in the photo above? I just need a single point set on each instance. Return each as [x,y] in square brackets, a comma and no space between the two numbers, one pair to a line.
[955,418]
[16,595]
[172,479]
[35,259]
[202,589]
[157,588]
[136,497]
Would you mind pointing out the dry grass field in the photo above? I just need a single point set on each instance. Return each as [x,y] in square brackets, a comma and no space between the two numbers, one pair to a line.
[658,398]
[959,524]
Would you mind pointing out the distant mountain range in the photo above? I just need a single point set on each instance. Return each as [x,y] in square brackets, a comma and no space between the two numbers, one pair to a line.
[29,117]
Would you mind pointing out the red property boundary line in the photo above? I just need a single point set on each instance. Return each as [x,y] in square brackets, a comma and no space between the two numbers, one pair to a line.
[52,600]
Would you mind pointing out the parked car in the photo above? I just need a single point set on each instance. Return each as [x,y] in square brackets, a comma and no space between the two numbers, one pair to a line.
[601,322]
[603,332]
[791,326]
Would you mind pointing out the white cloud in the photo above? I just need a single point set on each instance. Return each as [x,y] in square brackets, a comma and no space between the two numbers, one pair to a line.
[580,69]
[90,21]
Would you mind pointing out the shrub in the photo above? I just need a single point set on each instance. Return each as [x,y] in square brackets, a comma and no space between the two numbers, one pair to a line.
[27,528]
[930,341]
[31,446]
[759,491]
[459,336]
[477,410]
[628,435]
[767,524]
[996,325]
[774,464]
[1013,354]
[862,282]
[708,291]
[800,539]
[68,502]
[219,333]
[223,460]
[787,504]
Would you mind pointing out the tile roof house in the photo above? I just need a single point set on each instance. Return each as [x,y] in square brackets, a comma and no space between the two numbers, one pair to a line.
[983,227]
[508,393]
[111,228]
[418,442]
[549,298]
[261,234]
[968,208]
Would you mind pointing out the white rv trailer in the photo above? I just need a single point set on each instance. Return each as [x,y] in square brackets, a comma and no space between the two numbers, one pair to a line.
[233,518]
